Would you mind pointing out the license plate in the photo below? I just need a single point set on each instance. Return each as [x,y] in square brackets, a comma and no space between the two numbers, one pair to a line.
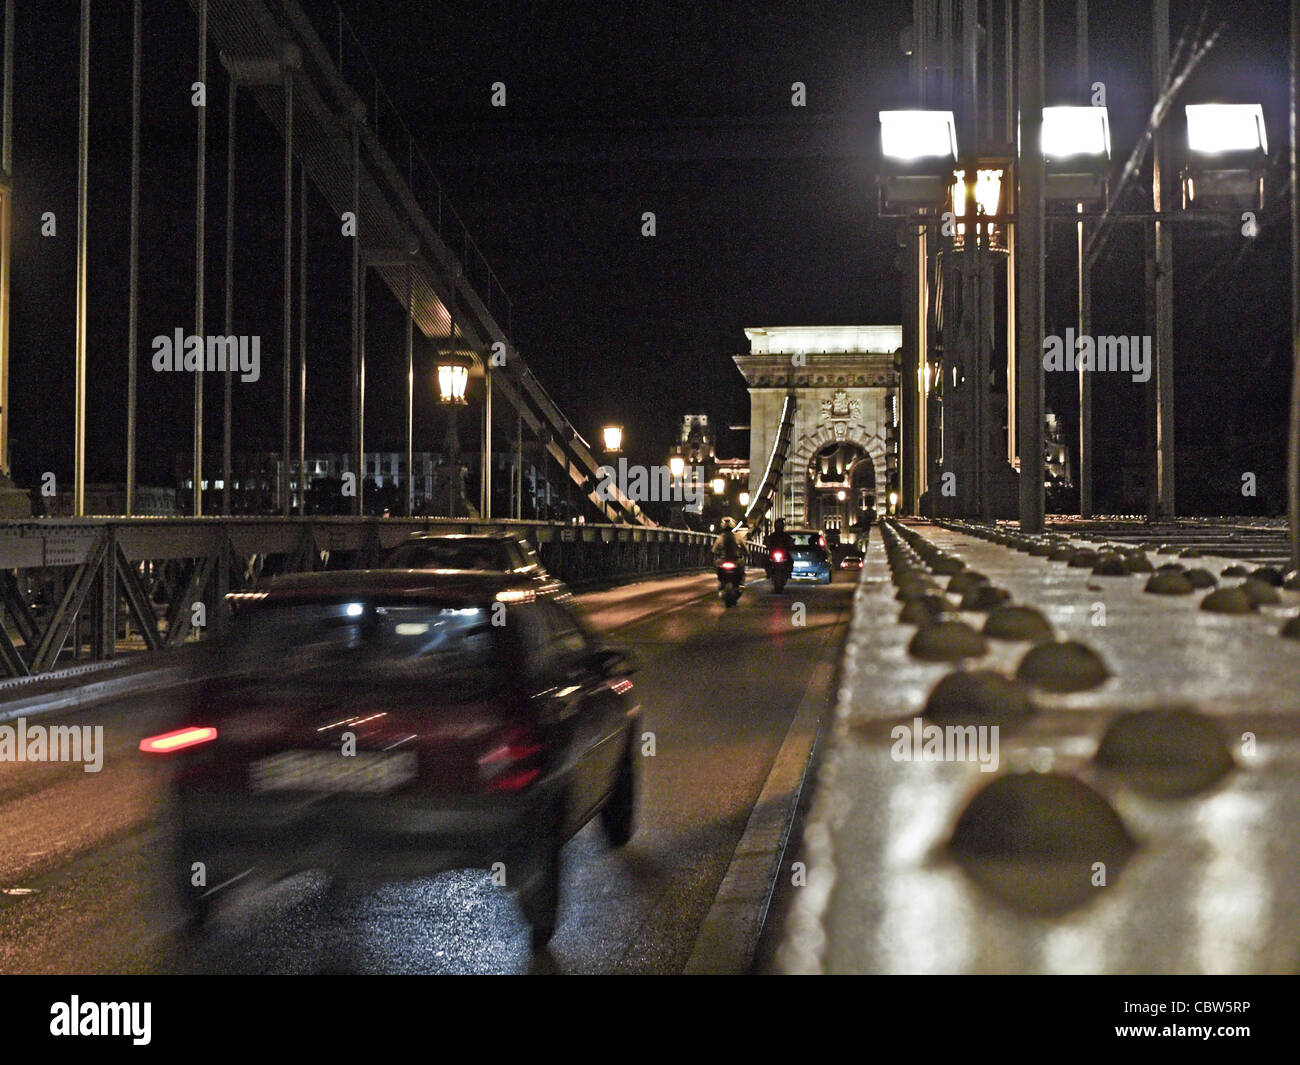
[369,772]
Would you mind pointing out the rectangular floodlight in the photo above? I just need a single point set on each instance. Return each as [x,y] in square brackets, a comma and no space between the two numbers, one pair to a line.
[1076,131]
[912,135]
[1215,128]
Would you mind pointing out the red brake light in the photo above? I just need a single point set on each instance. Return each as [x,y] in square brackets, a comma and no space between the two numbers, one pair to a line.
[728,565]
[513,781]
[504,766]
[167,742]
[778,556]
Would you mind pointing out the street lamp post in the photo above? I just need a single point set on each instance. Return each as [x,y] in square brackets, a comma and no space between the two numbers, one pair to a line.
[1076,154]
[612,437]
[676,469]
[453,376]
[920,147]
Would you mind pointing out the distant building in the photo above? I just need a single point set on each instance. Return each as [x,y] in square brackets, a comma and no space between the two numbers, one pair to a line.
[734,470]
[696,444]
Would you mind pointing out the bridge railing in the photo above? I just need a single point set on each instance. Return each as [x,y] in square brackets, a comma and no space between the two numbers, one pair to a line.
[89,589]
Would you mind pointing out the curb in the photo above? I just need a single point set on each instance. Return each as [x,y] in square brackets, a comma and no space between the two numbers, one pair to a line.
[86,695]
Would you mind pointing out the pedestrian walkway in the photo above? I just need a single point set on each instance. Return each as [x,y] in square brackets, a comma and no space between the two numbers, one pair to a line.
[1057,861]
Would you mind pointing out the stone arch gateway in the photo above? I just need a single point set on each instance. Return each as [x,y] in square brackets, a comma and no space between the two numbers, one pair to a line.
[845,386]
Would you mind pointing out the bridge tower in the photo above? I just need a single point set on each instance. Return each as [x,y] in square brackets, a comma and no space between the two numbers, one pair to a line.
[844,435]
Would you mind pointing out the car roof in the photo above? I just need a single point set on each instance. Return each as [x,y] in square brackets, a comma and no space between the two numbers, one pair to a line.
[442,585]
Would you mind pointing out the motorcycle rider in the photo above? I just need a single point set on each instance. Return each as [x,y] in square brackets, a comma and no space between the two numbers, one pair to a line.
[727,546]
[779,538]
[730,566]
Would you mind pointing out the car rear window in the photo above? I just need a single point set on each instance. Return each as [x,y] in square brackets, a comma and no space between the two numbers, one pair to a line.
[806,539]
[368,643]
[449,554]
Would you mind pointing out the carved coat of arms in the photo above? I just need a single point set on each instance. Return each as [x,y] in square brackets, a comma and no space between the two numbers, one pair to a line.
[839,408]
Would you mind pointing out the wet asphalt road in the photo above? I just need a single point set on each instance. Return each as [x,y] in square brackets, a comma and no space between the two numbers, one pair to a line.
[79,852]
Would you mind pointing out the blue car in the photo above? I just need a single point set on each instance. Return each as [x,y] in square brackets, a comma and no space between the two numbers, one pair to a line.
[812,560]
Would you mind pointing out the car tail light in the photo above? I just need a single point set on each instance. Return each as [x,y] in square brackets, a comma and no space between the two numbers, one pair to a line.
[728,565]
[778,556]
[179,740]
[511,761]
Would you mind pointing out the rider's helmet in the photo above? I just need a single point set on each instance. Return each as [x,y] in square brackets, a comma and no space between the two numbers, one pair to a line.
[779,525]
[728,523]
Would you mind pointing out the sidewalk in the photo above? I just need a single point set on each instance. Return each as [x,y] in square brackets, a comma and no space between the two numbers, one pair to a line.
[1209,886]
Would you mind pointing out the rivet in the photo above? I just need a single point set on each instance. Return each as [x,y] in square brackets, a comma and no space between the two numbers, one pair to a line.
[1168,583]
[946,640]
[1165,752]
[1228,601]
[1018,622]
[1064,666]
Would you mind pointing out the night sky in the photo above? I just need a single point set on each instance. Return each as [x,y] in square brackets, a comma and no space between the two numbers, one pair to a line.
[766,215]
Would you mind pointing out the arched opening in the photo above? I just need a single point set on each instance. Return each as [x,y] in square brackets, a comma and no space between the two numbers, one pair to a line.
[840,488]
[823,463]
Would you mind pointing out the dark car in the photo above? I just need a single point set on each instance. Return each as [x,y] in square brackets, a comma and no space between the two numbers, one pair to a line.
[851,560]
[812,561]
[501,552]
[388,724]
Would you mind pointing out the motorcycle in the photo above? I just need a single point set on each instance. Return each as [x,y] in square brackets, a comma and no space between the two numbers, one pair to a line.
[730,577]
[780,565]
